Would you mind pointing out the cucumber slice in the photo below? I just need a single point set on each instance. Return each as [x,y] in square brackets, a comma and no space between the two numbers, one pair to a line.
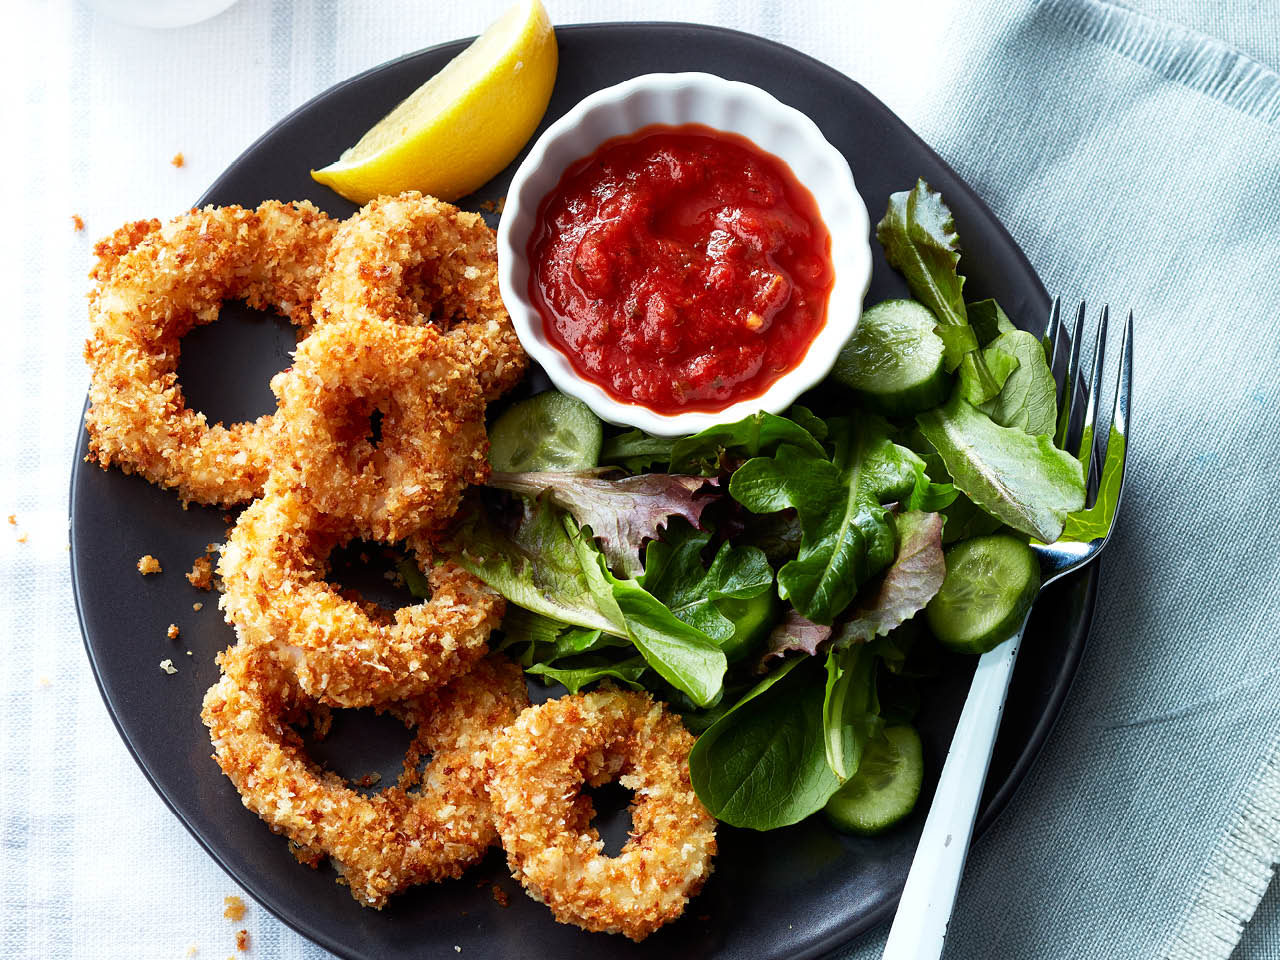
[549,431]
[752,621]
[990,585]
[894,360]
[885,788]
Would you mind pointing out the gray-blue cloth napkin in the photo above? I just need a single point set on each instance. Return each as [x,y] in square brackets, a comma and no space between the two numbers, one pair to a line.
[1137,163]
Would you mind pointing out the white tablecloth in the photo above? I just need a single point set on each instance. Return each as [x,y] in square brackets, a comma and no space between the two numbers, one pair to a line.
[92,864]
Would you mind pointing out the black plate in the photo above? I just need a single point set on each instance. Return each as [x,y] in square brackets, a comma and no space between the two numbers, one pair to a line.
[797,892]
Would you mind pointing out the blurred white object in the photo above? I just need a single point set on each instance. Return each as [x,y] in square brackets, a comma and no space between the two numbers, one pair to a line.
[160,13]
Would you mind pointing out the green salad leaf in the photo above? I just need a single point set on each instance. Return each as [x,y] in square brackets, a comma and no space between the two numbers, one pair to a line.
[906,587]
[1093,523]
[752,436]
[575,678]
[847,532]
[763,764]
[850,711]
[535,565]
[919,238]
[1025,481]
[1029,398]
[988,320]
[636,450]
[622,513]
[681,654]
[673,572]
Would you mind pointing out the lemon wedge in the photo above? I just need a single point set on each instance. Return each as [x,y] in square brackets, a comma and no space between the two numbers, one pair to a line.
[461,127]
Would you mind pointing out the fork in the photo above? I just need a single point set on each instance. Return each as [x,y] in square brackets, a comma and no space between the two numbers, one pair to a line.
[920,925]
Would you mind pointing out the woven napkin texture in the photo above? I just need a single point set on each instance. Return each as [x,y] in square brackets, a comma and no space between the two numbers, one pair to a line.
[1134,160]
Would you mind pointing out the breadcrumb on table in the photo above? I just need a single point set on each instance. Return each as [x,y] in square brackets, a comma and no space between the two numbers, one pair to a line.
[168,667]
[201,575]
[23,538]
[77,222]
[197,607]
[242,940]
[233,908]
[178,159]
[172,632]
[13,519]
[148,564]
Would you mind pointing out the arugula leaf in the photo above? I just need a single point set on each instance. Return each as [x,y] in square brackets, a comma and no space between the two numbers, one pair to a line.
[919,238]
[763,764]
[795,634]
[575,678]
[673,573]
[1029,398]
[751,436]
[1093,523]
[636,451]
[906,587]
[681,654]
[847,533]
[1025,481]
[988,320]
[534,566]
[850,712]
[622,513]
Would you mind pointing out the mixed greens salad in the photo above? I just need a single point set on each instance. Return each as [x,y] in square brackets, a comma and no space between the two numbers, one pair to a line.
[773,579]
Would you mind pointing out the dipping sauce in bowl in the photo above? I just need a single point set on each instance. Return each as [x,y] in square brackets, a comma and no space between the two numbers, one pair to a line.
[681,268]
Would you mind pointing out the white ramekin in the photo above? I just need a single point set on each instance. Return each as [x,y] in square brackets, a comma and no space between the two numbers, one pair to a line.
[673,99]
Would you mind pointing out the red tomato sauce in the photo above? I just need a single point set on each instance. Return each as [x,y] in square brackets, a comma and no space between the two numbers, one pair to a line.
[681,268]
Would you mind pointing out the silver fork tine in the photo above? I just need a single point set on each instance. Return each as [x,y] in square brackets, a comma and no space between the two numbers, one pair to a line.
[1120,412]
[1084,450]
[1067,393]
[1054,329]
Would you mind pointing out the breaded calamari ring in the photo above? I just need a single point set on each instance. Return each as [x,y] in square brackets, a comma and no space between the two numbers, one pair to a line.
[275,594]
[537,770]
[156,282]
[432,444]
[383,843]
[415,259]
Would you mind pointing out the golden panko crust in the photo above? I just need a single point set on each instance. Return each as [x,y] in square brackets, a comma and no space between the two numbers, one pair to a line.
[537,769]
[382,843]
[432,445]
[154,284]
[342,653]
[418,260]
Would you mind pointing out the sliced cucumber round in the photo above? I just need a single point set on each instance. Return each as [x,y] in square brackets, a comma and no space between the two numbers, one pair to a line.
[752,620]
[894,362]
[549,431]
[885,788]
[989,586]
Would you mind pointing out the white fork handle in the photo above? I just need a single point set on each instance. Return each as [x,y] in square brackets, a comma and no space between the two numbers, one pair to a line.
[925,909]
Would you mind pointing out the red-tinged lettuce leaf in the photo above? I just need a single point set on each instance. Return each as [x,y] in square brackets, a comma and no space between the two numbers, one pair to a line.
[1025,481]
[794,634]
[623,514]
[906,587]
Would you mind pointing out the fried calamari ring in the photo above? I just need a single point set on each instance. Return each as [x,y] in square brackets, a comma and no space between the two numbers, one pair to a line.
[275,594]
[432,444]
[154,284]
[415,259]
[393,839]
[537,770]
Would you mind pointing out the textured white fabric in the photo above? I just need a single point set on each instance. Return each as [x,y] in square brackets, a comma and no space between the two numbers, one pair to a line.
[92,864]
